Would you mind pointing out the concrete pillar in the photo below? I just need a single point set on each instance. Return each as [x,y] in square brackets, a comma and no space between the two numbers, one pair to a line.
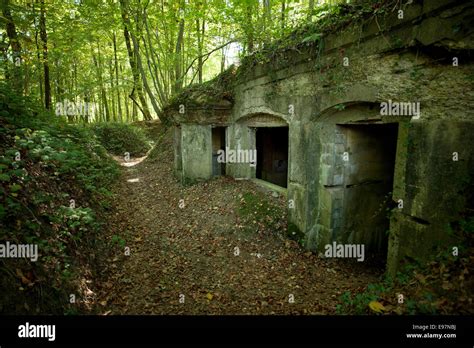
[196,143]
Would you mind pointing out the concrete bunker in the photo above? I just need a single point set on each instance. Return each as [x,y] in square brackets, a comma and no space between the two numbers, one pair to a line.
[272,155]
[328,109]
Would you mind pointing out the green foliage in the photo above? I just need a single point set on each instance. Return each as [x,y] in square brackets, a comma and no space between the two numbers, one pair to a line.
[54,181]
[312,38]
[211,92]
[295,233]
[116,239]
[327,18]
[119,138]
[161,143]
[436,286]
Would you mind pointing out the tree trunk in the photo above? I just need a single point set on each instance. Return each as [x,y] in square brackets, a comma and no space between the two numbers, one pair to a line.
[283,9]
[102,88]
[44,39]
[119,107]
[266,14]
[144,79]
[310,9]
[249,29]
[112,89]
[133,62]
[14,44]
[178,58]
[200,31]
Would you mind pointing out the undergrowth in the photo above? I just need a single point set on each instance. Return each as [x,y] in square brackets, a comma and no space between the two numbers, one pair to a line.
[121,138]
[259,213]
[442,285]
[54,186]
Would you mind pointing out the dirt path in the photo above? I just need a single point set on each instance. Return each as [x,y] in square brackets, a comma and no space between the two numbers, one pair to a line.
[183,260]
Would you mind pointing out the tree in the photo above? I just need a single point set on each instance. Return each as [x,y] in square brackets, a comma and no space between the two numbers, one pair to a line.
[44,39]
[133,54]
[14,43]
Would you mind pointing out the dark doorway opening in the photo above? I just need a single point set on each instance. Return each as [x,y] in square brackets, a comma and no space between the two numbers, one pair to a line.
[272,155]
[218,143]
[368,185]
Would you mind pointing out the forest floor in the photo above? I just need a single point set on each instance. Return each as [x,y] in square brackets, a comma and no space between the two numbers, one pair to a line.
[184,260]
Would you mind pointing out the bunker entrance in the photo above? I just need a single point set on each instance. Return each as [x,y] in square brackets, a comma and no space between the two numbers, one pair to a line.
[218,143]
[367,185]
[272,155]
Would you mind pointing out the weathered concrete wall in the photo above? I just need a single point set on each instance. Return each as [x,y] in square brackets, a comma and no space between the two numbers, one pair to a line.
[178,159]
[196,145]
[433,189]
[408,63]
[313,91]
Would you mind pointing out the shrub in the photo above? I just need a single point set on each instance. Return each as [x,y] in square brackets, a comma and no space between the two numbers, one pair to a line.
[54,186]
[119,138]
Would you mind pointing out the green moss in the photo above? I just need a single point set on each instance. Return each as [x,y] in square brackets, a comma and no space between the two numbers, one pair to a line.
[293,232]
[259,213]
[310,37]
[210,92]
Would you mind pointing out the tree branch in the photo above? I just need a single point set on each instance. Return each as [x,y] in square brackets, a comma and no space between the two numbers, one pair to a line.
[207,54]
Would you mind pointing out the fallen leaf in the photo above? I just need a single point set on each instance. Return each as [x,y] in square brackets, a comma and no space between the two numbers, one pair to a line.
[376,306]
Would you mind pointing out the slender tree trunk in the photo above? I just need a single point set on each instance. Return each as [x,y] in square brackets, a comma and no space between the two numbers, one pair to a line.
[112,89]
[102,87]
[178,58]
[14,44]
[310,9]
[133,61]
[250,29]
[40,73]
[223,60]
[117,80]
[125,101]
[283,15]
[134,112]
[267,8]
[138,57]
[154,65]
[200,31]
[144,79]
[44,39]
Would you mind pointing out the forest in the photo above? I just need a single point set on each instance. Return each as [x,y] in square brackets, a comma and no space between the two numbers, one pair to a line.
[118,197]
[127,58]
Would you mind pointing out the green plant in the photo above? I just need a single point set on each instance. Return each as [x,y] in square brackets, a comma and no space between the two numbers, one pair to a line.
[261,214]
[120,138]
[116,239]
[430,287]
[55,181]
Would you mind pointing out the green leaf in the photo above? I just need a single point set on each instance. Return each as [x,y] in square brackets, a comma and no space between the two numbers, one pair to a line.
[312,38]
[4,177]
[15,187]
